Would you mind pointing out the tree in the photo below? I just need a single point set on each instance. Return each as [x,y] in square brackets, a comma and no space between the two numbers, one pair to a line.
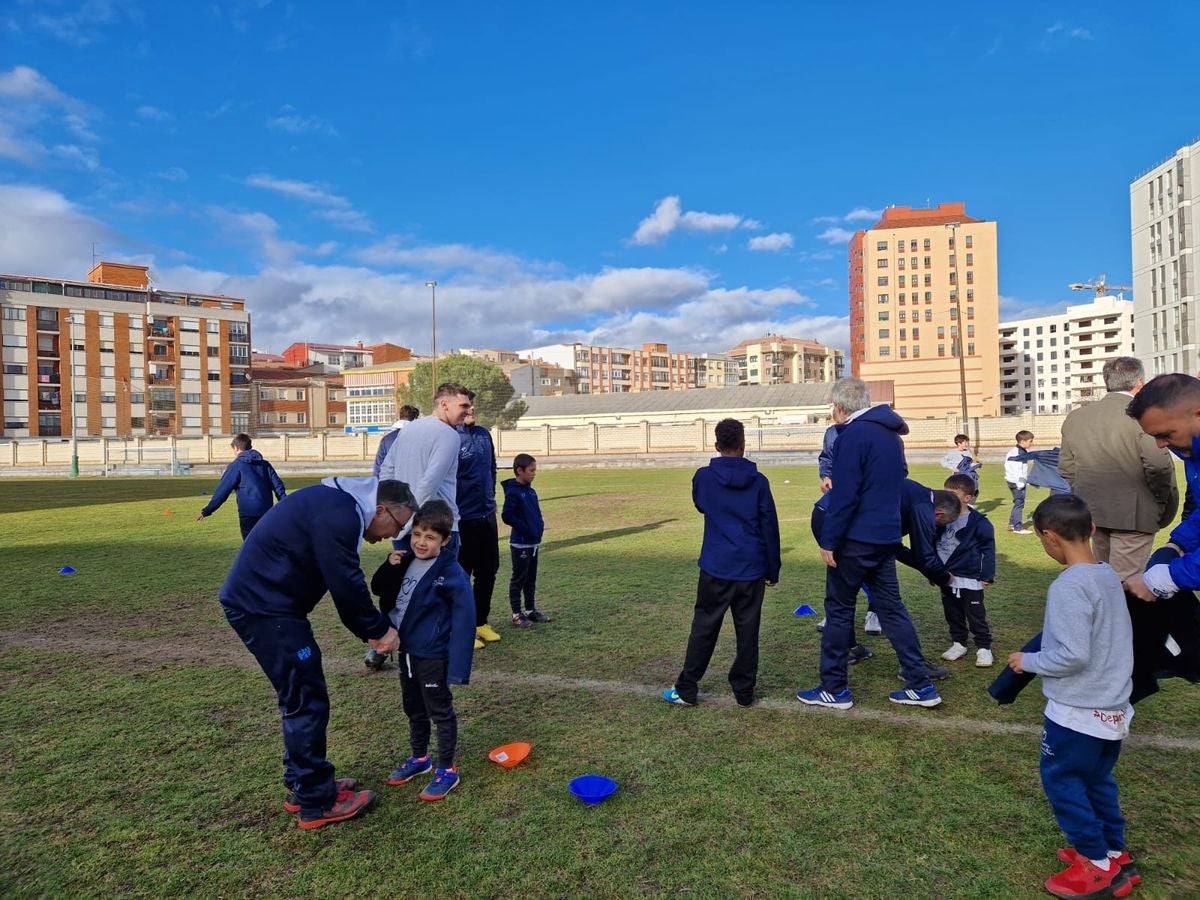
[493,390]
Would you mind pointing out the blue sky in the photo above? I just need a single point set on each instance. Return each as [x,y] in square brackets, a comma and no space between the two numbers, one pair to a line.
[619,172]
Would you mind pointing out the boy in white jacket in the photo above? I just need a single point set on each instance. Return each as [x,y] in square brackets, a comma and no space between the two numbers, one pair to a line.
[1016,474]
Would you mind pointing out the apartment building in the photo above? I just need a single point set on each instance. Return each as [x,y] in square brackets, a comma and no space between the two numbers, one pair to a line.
[372,394]
[496,357]
[1165,234]
[287,400]
[619,370]
[713,370]
[539,378]
[923,284]
[1051,364]
[336,357]
[112,356]
[783,360]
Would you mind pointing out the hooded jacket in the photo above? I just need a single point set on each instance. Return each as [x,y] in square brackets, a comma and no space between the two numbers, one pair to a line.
[522,514]
[308,545]
[254,479]
[975,555]
[741,528]
[476,473]
[868,471]
[440,620]
[385,444]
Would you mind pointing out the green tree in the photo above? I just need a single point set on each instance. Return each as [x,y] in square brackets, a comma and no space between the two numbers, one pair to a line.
[493,391]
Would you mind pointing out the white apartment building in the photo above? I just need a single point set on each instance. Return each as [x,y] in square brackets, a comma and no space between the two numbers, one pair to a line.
[1165,236]
[619,370]
[1051,364]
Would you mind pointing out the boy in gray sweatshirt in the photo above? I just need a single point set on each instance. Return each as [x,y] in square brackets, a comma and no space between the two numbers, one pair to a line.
[1086,664]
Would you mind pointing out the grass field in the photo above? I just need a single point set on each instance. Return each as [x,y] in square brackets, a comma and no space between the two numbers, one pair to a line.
[141,746]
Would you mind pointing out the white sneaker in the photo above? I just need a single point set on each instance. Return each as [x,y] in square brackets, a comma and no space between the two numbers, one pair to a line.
[871,624]
[956,651]
[821,625]
[983,658]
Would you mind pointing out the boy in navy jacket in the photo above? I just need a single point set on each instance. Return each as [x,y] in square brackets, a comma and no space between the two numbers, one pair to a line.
[739,559]
[523,515]
[427,596]
[967,549]
[253,478]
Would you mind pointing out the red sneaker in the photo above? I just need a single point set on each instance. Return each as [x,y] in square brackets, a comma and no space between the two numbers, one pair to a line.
[1084,879]
[1125,861]
[342,784]
[347,805]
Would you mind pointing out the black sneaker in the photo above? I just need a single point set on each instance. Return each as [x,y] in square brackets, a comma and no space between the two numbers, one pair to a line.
[520,620]
[859,653]
[534,616]
[933,673]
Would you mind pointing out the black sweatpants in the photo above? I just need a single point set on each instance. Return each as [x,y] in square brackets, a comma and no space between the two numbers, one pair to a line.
[479,556]
[744,601]
[246,523]
[524,578]
[427,699]
[964,610]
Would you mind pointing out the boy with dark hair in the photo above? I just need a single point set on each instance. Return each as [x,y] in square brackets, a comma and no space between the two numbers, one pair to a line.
[1016,475]
[523,515]
[428,598]
[966,545]
[964,487]
[961,459]
[254,479]
[1086,660]
[739,559]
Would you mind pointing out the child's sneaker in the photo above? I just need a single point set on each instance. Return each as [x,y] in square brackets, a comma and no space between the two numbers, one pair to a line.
[821,625]
[860,653]
[486,632]
[478,644]
[413,766]
[444,781]
[374,660]
[534,616]
[347,805]
[933,673]
[983,658]
[1020,529]
[955,651]
[843,699]
[342,784]
[1125,861]
[520,620]
[672,696]
[871,624]
[926,696]
[1084,879]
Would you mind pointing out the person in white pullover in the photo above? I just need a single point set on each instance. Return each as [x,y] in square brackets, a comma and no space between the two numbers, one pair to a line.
[1016,474]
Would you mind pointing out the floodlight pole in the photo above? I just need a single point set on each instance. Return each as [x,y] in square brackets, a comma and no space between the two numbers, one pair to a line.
[432,285]
[962,359]
[74,473]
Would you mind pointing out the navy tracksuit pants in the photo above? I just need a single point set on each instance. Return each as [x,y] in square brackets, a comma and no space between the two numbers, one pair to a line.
[1077,776]
[744,601]
[287,652]
[479,556]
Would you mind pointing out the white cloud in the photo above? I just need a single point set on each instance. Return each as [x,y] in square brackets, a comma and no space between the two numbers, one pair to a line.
[669,216]
[439,259]
[290,121]
[752,224]
[173,173]
[1074,31]
[862,214]
[153,114]
[771,243]
[46,234]
[34,113]
[83,24]
[24,83]
[836,235]
[336,209]
[262,231]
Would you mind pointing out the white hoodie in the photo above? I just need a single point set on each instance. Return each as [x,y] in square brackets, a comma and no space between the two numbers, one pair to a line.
[363,490]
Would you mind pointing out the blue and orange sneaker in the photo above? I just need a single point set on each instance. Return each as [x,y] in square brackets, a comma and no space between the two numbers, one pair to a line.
[346,805]
[413,766]
[444,781]
[342,784]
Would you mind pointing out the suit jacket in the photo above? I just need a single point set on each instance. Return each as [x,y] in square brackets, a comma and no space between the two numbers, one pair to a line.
[1126,479]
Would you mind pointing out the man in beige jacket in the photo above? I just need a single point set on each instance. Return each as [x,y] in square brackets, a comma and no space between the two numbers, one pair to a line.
[1125,478]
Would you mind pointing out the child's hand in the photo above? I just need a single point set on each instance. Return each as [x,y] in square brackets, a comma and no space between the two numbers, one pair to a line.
[395,557]
[1014,662]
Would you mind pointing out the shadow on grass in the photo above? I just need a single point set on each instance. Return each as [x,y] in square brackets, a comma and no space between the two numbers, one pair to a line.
[27,495]
[604,535]
[988,505]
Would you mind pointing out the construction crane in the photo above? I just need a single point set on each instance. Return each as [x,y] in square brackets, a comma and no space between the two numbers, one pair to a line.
[1100,286]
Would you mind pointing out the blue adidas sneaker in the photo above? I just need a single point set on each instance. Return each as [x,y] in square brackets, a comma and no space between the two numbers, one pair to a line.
[926,696]
[444,781]
[821,697]
[413,766]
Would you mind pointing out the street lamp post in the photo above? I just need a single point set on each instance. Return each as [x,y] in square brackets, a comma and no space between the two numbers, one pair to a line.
[962,359]
[432,285]
[74,473]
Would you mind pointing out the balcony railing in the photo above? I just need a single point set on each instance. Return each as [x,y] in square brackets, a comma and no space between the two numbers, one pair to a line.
[47,324]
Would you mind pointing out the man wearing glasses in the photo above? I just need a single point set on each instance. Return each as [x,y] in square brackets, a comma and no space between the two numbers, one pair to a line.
[304,546]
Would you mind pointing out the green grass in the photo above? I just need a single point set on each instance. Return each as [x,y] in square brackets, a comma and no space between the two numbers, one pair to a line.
[141,746]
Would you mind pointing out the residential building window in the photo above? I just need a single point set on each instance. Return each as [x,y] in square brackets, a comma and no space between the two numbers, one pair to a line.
[881,263]
[881,245]
[927,243]
[883,315]
[902,298]
[968,240]
[970,293]
[970,312]
[885,333]
[883,298]
[916,334]
[300,394]
[941,349]
[941,332]
[302,418]
[902,282]
[929,296]
[916,351]
[970,259]
[970,276]
[214,351]
[903,334]
[903,352]
[14,313]
[885,351]
[881,281]
[929,315]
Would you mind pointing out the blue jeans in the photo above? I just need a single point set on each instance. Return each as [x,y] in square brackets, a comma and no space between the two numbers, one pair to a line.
[1078,780]
[871,567]
[1016,519]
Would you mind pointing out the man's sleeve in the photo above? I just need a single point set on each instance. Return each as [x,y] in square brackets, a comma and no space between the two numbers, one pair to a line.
[825,457]
[1066,460]
[989,551]
[769,522]
[229,480]
[462,629]
[1159,467]
[381,455]
[387,467]
[338,560]
[276,482]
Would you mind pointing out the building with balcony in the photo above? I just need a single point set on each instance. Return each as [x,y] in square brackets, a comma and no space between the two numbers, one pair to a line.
[286,400]
[713,370]
[619,370]
[113,356]
[1166,259]
[372,394]
[783,360]
[336,357]
[497,357]
[538,378]
[1051,364]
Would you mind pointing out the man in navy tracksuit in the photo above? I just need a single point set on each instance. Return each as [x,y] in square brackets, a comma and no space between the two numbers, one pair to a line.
[739,559]
[479,550]
[858,544]
[253,478]
[307,546]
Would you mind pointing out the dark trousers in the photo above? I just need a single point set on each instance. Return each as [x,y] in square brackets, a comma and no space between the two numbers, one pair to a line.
[427,699]
[1016,519]
[289,656]
[479,556]
[246,523]
[744,601]
[1078,780]
[524,577]
[964,609]
[871,567]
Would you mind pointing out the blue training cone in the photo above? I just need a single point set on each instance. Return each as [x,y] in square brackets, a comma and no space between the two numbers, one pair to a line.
[805,610]
[66,570]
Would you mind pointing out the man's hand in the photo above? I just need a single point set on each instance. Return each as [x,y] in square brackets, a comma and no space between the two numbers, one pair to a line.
[826,484]
[827,556]
[395,557]
[389,643]
[1014,662]
[772,583]
[200,517]
[1138,587]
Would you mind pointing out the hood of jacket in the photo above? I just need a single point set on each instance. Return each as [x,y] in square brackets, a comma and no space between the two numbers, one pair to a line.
[734,472]
[363,490]
[250,457]
[884,415]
